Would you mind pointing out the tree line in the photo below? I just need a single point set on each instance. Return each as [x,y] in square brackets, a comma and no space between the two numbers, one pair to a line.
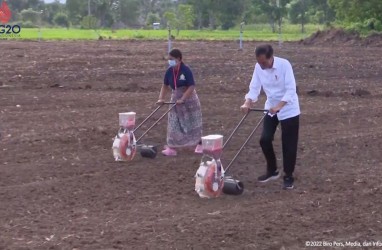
[197,14]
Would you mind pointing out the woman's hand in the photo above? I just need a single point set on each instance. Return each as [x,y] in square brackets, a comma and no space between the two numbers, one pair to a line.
[162,94]
[160,102]
[180,101]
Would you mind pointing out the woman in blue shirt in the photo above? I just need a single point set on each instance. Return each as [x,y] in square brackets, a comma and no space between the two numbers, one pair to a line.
[184,127]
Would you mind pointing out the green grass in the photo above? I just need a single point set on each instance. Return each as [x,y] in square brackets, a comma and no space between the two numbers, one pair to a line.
[253,32]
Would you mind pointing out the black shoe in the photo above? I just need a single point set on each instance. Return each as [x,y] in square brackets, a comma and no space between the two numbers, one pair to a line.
[288,182]
[269,176]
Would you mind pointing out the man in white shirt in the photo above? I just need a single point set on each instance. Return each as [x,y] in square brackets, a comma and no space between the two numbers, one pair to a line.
[275,76]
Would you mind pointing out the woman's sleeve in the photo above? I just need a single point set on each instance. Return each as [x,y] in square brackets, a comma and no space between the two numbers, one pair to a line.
[166,78]
[190,78]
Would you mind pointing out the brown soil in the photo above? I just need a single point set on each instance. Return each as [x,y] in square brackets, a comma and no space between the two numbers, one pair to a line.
[61,189]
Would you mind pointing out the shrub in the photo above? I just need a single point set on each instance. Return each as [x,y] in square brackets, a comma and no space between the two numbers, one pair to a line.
[61,19]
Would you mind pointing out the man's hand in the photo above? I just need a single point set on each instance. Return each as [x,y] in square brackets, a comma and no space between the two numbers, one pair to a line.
[246,106]
[274,110]
[277,108]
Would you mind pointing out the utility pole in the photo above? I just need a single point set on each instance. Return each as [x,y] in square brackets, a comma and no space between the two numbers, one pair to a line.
[241,36]
[279,15]
[89,14]
[39,26]
[169,37]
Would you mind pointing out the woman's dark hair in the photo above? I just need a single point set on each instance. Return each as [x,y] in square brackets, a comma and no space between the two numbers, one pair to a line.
[266,50]
[176,54]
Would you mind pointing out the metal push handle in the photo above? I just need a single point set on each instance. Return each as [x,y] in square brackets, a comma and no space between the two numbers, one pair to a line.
[245,143]
[241,122]
[150,115]
[259,110]
[157,121]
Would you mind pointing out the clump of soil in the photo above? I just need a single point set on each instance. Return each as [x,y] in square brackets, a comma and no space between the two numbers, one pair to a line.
[342,37]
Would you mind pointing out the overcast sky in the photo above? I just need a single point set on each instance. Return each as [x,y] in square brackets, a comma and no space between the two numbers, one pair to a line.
[51,1]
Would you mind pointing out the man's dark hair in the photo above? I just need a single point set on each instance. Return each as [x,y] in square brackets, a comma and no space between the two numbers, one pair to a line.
[266,50]
[176,54]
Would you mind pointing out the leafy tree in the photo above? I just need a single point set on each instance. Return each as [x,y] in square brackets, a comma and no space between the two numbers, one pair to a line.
[185,16]
[357,11]
[146,7]
[51,10]
[274,12]
[365,12]
[76,10]
[171,19]
[321,12]
[89,22]
[298,12]
[30,15]
[62,19]
[19,5]
[251,14]
[152,18]
[229,12]
[201,12]
[103,11]
[127,11]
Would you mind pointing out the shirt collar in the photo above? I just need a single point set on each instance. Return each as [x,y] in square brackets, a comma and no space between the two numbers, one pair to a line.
[276,63]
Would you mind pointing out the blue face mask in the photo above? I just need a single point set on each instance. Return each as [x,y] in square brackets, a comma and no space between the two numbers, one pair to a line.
[172,63]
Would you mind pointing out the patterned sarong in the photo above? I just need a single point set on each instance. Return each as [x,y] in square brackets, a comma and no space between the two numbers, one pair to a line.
[184,121]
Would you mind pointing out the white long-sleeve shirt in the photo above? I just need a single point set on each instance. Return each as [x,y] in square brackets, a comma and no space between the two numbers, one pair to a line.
[279,85]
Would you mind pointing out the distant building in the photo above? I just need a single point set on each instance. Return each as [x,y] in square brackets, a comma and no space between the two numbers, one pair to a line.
[156,26]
